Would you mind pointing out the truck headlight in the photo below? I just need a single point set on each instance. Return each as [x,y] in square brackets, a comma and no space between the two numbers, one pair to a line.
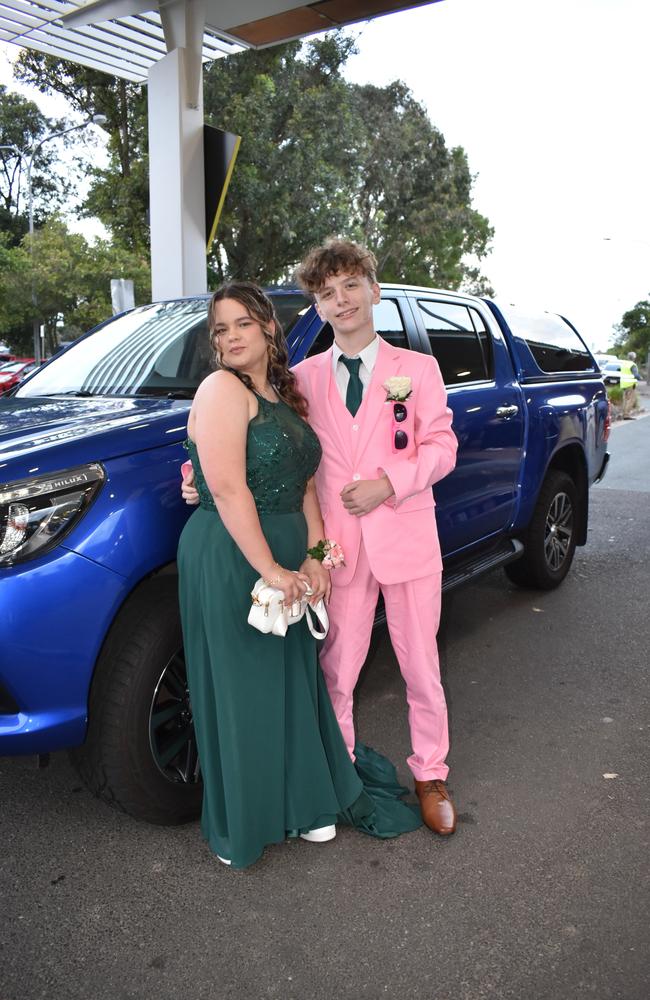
[36,513]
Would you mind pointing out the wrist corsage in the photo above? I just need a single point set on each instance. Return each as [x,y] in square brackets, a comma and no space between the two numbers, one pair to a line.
[328,552]
[398,388]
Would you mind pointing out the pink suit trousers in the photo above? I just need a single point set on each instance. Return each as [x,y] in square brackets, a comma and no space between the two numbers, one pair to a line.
[413,613]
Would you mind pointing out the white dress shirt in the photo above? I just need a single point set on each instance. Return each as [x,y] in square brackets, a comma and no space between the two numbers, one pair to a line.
[368,358]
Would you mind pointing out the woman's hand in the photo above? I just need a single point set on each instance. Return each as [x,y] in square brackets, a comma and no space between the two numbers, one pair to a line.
[292,583]
[319,579]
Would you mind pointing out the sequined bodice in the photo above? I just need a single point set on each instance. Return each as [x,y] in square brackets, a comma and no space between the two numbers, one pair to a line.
[282,454]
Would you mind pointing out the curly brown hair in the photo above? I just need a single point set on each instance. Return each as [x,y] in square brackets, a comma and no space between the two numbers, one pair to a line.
[333,257]
[260,307]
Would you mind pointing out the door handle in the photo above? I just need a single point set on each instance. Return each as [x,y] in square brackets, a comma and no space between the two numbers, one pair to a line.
[507,411]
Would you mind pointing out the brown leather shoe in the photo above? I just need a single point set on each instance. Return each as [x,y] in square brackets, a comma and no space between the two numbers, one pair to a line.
[437,809]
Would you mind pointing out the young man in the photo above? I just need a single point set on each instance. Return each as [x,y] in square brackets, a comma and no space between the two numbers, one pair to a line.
[381,415]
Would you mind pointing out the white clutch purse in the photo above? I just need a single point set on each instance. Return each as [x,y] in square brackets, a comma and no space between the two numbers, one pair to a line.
[269,614]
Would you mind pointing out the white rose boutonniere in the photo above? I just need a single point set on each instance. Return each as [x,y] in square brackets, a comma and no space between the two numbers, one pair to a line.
[398,388]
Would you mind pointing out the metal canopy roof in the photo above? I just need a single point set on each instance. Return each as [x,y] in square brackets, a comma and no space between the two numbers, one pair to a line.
[125,47]
[125,37]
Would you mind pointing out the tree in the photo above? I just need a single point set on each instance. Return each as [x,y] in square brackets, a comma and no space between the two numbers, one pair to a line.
[319,157]
[105,260]
[412,195]
[119,194]
[21,127]
[14,269]
[70,279]
[288,188]
[633,332]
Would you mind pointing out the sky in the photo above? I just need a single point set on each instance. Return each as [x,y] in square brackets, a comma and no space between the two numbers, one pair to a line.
[549,99]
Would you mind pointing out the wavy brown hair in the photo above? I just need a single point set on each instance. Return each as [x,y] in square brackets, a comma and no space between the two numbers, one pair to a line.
[333,257]
[260,307]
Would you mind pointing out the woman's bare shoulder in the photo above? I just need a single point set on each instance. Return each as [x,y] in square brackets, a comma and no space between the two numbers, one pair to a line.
[221,384]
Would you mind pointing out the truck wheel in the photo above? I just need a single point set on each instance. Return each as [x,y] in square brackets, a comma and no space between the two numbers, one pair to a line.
[140,753]
[550,541]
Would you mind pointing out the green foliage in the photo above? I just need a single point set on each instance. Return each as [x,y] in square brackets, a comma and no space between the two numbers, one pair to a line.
[615,394]
[320,156]
[288,188]
[103,261]
[633,332]
[70,280]
[22,126]
[412,201]
[13,279]
[69,277]
[119,194]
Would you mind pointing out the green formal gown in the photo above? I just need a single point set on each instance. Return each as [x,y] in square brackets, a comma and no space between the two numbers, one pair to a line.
[273,761]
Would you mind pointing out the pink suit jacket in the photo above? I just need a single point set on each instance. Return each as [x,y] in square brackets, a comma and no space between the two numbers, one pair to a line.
[399,536]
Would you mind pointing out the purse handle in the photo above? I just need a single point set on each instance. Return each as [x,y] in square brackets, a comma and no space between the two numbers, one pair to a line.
[321,616]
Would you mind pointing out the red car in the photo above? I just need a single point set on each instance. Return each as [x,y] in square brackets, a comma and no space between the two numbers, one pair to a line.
[14,371]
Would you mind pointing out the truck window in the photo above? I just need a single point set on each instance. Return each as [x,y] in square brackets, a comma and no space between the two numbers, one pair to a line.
[459,341]
[555,346]
[289,306]
[388,324]
[153,350]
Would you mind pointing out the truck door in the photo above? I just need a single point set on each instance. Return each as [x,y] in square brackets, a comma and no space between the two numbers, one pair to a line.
[477,500]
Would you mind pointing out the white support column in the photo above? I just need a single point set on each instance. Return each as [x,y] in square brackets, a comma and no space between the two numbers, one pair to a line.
[176,180]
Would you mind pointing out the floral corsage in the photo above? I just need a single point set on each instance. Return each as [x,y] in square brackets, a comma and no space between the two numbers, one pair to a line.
[328,552]
[398,388]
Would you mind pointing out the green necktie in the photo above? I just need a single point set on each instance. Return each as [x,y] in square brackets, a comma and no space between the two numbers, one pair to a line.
[354,392]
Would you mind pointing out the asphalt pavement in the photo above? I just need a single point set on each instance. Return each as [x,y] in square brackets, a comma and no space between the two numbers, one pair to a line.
[542,894]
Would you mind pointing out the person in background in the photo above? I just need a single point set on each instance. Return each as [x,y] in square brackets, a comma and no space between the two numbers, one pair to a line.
[629,392]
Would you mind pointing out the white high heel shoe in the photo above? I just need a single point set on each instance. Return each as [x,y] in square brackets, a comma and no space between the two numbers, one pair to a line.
[320,835]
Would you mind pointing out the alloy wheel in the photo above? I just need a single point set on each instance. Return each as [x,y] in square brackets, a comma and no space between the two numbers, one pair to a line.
[558,531]
[171,727]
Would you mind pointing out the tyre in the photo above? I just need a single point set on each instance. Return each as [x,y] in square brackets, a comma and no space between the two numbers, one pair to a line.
[550,540]
[140,753]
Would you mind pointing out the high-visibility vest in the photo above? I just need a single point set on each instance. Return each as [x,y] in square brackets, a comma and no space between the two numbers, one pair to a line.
[628,380]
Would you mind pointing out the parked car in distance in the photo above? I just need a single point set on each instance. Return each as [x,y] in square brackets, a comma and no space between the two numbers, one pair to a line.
[91,444]
[13,372]
[618,371]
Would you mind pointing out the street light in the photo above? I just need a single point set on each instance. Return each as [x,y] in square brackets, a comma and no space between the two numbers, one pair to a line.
[95,120]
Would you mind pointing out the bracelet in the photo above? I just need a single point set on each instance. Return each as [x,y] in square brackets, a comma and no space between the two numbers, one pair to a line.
[274,580]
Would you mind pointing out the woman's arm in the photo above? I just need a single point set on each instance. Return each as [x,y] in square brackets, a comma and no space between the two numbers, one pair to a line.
[318,576]
[219,426]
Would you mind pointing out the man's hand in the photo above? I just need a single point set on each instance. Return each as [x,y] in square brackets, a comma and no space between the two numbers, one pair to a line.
[188,490]
[319,579]
[364,495]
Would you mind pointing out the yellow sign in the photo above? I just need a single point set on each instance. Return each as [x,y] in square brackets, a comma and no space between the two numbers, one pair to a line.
[219,154]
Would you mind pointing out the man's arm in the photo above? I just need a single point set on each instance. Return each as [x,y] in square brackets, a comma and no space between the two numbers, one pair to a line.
[364,495]
[436,442]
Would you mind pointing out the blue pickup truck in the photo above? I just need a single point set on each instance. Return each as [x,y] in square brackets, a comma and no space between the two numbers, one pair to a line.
[91,654]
